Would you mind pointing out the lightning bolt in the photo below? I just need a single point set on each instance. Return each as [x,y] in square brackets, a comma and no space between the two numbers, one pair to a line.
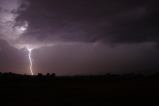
[30,60]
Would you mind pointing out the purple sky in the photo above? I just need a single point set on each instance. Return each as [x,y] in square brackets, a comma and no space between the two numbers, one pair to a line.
[79,36]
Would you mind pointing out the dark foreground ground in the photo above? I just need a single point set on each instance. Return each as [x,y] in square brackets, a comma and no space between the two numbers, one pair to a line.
[17,90]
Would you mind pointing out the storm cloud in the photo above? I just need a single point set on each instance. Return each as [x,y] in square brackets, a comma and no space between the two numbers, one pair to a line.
[90,21]
[9,11]
[80,36]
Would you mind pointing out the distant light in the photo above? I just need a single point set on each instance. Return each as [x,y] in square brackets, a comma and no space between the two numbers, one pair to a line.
[22,28]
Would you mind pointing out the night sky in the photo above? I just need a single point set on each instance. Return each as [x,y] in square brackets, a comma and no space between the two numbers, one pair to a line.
[70,37]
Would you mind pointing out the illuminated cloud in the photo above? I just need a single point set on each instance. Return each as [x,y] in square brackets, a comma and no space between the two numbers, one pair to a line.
[10,28]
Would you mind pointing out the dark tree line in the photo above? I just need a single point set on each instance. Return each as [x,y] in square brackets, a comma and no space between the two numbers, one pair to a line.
[106,77]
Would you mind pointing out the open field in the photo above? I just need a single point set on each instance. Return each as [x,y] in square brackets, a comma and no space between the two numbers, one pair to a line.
[76,91]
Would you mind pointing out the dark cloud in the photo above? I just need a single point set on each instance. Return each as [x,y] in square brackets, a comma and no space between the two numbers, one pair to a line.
[92,20]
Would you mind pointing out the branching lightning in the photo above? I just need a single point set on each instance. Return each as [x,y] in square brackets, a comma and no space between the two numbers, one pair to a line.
[30,60]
